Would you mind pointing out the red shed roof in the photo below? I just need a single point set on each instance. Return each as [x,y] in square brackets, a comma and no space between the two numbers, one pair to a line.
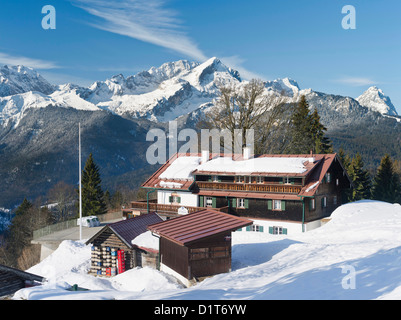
[198,225]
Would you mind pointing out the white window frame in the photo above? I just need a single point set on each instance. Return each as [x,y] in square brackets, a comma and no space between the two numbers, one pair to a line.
[324,202]
[328,177]
[255,228]
[209,202]
[277,230]
[241,203]
[215,178]
[313,206]
[276,205]
[260,179]
[175,198]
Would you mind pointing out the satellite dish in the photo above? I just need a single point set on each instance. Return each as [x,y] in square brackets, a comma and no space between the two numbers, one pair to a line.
[182,210]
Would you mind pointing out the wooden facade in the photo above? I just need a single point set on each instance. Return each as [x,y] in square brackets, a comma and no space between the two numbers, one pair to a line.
[12,280]
[109,239]
[208,256]
[304,196]
[197,245]
[118,236]
[328,196]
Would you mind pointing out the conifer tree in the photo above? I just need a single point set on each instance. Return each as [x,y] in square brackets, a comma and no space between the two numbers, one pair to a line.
[360,179]
[322,144]
[386,186]
[308,133]
[345,159]
[23,207]
[93,202]
[301,136]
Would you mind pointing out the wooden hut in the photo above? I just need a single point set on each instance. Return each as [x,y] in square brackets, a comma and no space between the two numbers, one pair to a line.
[112,248]
[197,245]
[12,280]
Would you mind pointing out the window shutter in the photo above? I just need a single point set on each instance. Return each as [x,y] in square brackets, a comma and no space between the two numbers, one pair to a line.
[213,202]
[179,199]
[170,199]
[260,228]
[248,228]
[210,179]
[271,230]
[282,205]
[246,203]
[234,202]
[284,230]
[269,204]
[201,201]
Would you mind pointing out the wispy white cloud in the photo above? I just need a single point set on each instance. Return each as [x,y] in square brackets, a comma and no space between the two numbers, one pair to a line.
[356,81]
[145,20]
[151,21]
[25,61]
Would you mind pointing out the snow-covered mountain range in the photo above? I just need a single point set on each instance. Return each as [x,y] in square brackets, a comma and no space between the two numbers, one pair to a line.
[159,94]
[39,122]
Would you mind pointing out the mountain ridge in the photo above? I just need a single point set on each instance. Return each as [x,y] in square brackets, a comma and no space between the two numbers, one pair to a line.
[160,94]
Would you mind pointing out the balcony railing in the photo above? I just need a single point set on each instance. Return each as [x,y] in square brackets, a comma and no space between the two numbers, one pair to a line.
[167,209]
[253,187]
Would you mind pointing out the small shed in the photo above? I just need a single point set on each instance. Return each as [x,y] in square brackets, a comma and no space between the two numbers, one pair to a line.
[112,248]
[197,245]
[12,280]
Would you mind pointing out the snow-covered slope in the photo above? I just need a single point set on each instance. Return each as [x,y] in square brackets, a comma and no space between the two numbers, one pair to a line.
[287,86]
[375,100]
[164,93]
[13,108]
[20,79]
[357,255]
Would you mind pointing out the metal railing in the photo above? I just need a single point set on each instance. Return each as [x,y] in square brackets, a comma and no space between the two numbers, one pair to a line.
[72,223]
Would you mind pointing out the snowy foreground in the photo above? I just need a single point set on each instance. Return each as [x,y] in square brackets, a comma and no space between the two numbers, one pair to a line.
[357,255]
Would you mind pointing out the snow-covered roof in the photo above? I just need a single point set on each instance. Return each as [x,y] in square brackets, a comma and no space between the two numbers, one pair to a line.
[146,240]
[178,173]
[260,165]
[181,168]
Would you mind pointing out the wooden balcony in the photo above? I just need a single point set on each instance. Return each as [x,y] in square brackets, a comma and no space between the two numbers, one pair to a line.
[165,209]
[252,187]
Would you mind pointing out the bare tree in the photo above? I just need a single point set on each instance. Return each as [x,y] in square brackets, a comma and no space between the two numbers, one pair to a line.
[241,107]
[62,197]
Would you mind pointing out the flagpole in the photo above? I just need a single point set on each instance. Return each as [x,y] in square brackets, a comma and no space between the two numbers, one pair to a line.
[80,186]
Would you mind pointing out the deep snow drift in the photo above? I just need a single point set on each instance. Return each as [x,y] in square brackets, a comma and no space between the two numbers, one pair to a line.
[357,255]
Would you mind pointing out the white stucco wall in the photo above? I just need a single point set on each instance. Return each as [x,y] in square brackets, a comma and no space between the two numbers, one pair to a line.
[292,227]
[187,198]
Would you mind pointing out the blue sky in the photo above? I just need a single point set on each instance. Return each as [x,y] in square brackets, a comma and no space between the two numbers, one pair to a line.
[303,40]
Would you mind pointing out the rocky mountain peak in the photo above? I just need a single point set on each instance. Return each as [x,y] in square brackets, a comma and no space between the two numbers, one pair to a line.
[375,100]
